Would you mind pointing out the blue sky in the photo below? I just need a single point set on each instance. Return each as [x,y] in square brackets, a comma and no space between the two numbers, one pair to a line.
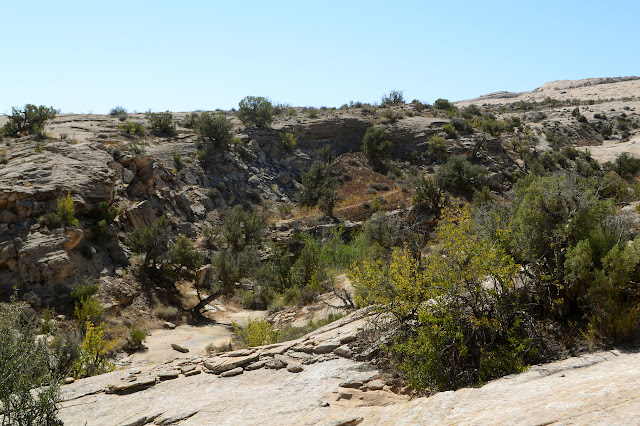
[86,56]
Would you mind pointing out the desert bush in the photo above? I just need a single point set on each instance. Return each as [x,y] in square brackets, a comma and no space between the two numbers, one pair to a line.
[627,166]
[136,337]
[132,128]
[152,240]
[443,104]
[104,216]
[308,265]
[460,177]
[256,332]
[243,227]
[184,260]
[429,198]
[461,125]
[318,187]
[116,111]
[190,119]
[93,352]
[83,289]
[256,111]
[161,123]
[88,309]
[313,112]
[66,210]
[177,160]
[51,220]
[376,147]
[276,271]
[395,97]
[289,141]
[24,367]
[284,210]
[450,131]
[167,313]
[467,333]
[214,132]
[470,111]
[29,120]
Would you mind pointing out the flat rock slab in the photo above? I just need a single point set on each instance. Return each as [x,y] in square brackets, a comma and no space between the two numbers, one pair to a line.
[221,364]
[234,372]
[179,348]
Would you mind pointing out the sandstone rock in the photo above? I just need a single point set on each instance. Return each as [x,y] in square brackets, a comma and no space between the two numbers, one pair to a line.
[343,351]
[294,367]
[138,216]
[234,372]
[179,348]
[326,347]
[256,365]
[187,368]
[131,386]
[275,364]
[192,372]
[375,385]
[221,364]
[168,375]
[169,325]
[69,380]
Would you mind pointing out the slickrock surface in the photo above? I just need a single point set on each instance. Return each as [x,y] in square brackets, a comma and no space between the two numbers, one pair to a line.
[238,388]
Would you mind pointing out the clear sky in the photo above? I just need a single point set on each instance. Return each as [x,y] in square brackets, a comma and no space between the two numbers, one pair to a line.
[89,56]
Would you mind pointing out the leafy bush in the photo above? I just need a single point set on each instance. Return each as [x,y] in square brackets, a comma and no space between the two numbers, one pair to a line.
[443,104]
[460,177]
[257,332]
[450,131]
[88,309]
[132,128]
[318,186]
[152,240]
[395,97]
[285,210]
[468,332]
[313,112]
[136,337]
[104,216]
[437,148]
[241,228]
[162,124]
[167,313]
[256,111]
[289,140]
[627,166]
[461,125]
[24,366]
[376,147]
[185,260]
[93,352]
[116,111]
[214,131]
[83,289]
[29,120]
[66,212]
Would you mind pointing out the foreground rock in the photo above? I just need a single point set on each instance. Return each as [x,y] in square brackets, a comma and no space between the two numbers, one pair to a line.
[324,388]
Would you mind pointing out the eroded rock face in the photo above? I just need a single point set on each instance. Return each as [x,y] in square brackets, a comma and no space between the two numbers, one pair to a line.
[31,182]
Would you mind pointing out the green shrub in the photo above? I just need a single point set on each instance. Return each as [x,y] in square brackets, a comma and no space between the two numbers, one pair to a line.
[132,128]
[167,313]
[285,210]
[136,337]
[24,367]
[256,111]
[467,333]
[51,220]
[84,288]
[29,120]
[313,112]
[185,260]
[627,166]
[437,149]
[241,228]
[66,211]
[309,266]
[462,126]
[162,124]
[88,309]
[460,177]
[450,131]
[289,140]
[443,104]
[257,332]
[104,216]
[395,97]
[376,147]
[317,184]
[116,111]
[93,352]
[189,121]
[214,132]
[276,271]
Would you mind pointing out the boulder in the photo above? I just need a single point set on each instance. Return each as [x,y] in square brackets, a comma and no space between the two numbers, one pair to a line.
[179,348]
[234,372]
